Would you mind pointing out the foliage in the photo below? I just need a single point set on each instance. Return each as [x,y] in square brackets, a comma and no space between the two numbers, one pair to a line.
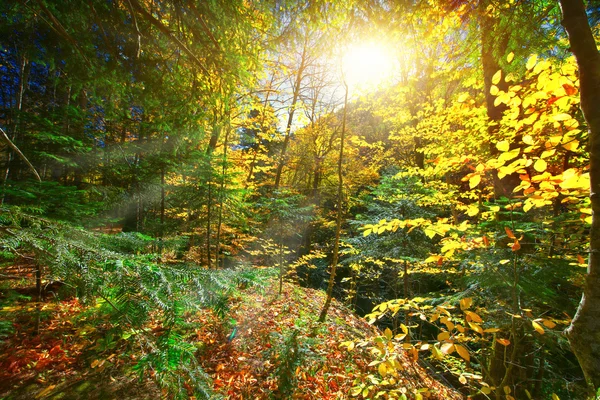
[131,290]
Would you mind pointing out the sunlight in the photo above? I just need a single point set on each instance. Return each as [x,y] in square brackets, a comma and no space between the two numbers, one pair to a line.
[367,66]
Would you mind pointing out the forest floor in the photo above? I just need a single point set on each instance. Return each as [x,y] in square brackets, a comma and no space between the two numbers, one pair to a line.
[59,350]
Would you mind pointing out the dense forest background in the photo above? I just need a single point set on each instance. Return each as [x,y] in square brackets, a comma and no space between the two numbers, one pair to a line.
[157,155]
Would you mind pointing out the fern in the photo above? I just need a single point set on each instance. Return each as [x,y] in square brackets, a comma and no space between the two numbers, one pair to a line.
[132,287]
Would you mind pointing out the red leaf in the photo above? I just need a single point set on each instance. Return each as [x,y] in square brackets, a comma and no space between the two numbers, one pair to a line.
[571,90]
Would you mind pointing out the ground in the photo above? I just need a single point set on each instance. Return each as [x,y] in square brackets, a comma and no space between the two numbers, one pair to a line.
[270,345]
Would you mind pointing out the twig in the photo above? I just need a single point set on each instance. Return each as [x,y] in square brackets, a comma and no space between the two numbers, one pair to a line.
[16,149]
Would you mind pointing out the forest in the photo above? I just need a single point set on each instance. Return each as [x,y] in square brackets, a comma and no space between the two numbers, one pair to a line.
[300,199]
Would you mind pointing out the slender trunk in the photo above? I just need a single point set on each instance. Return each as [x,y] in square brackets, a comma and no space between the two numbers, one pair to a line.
[208,221]
[288,127]
[539,378]
[9,158]
[584,331]
[222,196]
[338,227]
[162,202]
[405,279]
[216,132]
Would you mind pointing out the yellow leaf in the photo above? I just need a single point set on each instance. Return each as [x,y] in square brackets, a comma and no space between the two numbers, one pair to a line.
[462,379]
[571,145]
[497,76]
[466,303]
[561,117]
[503,145]
[388,333]
[443,336]
[430,233]
[528,139]
[382,369]
[502,262]
[494,90]
[367,232]
[463,97]
[555,397]
[540,165]
[437,353]
[510,57]
[509,155]
[474,181]
[531,61]
[473,210]
[463,352]
[486,390]
[476,328]
[537,327]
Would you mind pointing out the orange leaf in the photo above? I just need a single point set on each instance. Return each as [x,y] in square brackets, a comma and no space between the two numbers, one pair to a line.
[503,342]
[471,316]
[509,233]
[580,259]
[548,324]
[486,241]
[463,352]
[516,245]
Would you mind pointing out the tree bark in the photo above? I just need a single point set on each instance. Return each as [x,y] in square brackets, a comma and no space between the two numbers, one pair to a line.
[584,331]
[338,227]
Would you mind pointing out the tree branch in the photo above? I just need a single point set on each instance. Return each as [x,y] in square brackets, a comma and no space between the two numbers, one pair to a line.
[167,33]
[16,149]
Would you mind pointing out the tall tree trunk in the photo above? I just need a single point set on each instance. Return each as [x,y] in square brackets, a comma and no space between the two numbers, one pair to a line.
[584,331]
[222,194]
[493,47]
[338,226]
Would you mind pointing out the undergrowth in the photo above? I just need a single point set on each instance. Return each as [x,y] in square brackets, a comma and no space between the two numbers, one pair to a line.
[131,289]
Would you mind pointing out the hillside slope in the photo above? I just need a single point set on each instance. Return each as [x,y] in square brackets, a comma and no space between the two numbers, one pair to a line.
[279,350]
[267,346]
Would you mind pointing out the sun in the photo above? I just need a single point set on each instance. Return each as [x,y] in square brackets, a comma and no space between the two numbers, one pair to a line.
[367,66]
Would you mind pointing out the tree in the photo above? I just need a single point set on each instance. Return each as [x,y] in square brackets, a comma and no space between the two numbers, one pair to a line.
[584,331]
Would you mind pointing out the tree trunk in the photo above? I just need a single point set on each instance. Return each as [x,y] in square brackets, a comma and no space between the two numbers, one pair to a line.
[222,196]
[493,47]
[338,227]
[288,127]
[584,331]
